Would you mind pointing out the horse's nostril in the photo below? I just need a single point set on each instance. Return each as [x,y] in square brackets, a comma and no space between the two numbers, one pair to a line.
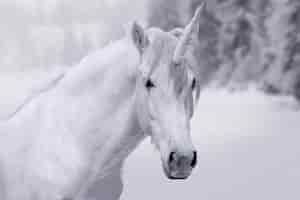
[194,161]
[171,157]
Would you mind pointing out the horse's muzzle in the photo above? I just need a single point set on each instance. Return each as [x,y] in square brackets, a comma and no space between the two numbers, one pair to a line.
[180,166]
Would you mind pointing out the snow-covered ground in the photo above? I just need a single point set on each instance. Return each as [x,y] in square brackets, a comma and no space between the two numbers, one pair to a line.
[248,146]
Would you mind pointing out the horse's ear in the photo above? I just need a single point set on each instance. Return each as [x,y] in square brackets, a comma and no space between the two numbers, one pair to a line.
[139,37]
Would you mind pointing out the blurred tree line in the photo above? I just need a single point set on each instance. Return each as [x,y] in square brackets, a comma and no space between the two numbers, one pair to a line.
[242,41]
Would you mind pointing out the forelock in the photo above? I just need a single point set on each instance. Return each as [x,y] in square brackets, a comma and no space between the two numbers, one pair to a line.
[162,46]
[162,49]
[179,76]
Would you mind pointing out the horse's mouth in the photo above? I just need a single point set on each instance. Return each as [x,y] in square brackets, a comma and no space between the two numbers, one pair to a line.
[177,178]
[175,175]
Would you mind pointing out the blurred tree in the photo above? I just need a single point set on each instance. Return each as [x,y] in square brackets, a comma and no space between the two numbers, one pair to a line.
[236,42]
[243,40]
[292,63]
[168,14]
[231,40]
[283,30]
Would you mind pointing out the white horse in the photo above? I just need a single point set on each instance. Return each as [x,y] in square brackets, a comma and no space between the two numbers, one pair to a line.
[70,141]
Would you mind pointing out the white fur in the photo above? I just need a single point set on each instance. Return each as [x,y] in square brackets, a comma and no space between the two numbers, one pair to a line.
[80,130]
[83,127]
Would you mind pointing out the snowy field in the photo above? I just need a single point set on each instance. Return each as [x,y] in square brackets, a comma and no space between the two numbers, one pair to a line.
[248,147]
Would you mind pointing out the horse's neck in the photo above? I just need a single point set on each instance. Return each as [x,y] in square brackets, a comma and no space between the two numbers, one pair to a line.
[117,59]
[104,86]
[122,136]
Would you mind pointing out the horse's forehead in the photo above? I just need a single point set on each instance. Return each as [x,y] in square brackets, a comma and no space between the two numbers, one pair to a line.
[162,50]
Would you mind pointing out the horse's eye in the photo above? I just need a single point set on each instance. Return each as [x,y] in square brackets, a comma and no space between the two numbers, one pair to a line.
[149,84]
[177,64]
[193,84]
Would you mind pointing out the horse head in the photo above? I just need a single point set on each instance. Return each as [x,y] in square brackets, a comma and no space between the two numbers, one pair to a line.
[166,93]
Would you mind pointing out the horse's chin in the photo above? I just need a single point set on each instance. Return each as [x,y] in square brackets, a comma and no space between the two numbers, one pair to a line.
[177,176]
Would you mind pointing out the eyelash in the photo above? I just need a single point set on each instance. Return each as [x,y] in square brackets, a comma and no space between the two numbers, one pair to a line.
[193,84]
[149,84]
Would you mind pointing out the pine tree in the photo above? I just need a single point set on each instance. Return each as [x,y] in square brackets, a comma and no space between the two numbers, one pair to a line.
[291,70]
